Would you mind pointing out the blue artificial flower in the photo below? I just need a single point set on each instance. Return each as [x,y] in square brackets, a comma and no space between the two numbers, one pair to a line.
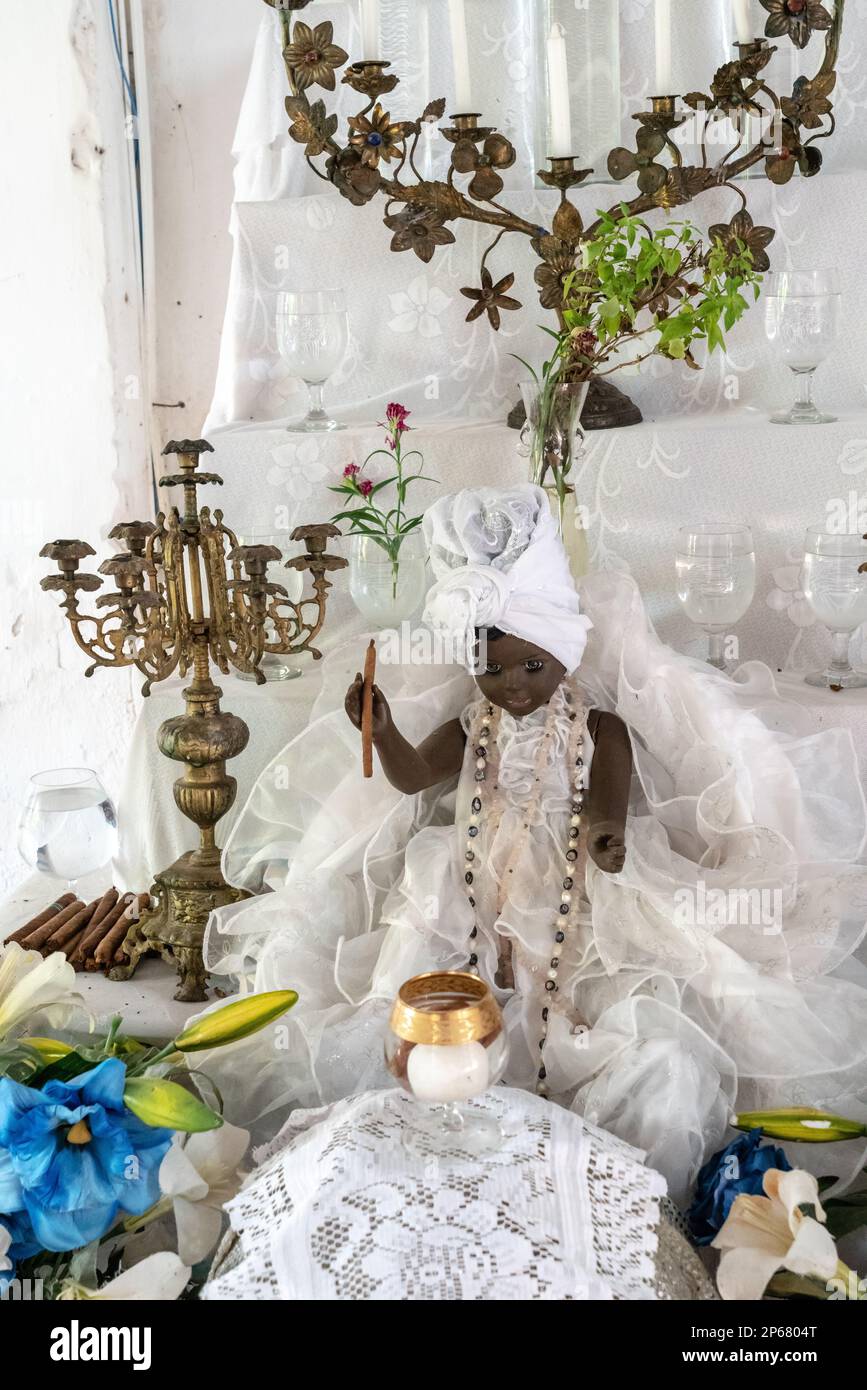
[71,1189]
[736,1170]
[23,1243]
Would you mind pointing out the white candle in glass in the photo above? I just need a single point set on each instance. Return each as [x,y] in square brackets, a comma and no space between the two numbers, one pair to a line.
[663,48]
[370,29]
[560,143]
[743,23]
[460,57]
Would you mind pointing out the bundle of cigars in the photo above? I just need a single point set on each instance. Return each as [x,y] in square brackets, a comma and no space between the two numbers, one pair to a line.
[90,935]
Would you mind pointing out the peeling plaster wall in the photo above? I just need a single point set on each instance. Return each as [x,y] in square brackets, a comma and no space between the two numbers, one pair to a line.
[71,400]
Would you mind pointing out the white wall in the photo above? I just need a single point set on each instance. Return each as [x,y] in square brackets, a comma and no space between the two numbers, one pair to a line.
[74,458]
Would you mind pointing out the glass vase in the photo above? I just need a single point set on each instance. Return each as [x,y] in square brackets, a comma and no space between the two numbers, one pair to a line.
[553,440]
[387,591]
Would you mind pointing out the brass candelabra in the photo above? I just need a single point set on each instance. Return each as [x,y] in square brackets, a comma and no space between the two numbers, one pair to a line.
[377,158]
[187,594]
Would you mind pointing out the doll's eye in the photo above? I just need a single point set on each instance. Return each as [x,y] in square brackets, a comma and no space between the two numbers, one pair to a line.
[493,669]
[534,664]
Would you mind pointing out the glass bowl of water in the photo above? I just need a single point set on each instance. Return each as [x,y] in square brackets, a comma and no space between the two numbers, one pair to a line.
[68,825]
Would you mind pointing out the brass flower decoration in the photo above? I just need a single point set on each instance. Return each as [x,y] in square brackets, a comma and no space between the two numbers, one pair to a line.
[558,261]
[312,55]
[648,144]
[418,230]
[797,18]
[491,298]
[741,233]
[354,180]
[496,153]
[780,165]
[376,136]
[310,126]
[809,103]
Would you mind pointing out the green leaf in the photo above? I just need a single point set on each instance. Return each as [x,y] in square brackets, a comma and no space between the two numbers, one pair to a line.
[72,1064]
[166,1105]
[846,1214]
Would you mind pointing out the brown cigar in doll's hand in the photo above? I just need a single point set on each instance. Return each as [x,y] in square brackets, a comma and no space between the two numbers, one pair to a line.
[367,710]
[379,712]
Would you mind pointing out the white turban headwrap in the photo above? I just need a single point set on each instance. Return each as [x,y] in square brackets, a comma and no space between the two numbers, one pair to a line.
[500,563]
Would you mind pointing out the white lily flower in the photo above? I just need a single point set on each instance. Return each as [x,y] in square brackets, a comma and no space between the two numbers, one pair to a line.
[199,1173]
[30,985]
[160,1278]
[765,1234]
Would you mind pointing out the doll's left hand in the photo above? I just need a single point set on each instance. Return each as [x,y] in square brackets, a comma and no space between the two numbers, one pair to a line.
[606,846]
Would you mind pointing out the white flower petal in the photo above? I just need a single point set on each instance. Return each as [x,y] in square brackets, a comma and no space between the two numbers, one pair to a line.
[428,327]
[199,1227]
[813,1251]
[29,985]
[160,1278]
[404,323]
[218,1153]
[745,1274]
[437,300]
[179,1176]
[5,1242]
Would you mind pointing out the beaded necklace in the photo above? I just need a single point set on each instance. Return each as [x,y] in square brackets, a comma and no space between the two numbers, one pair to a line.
[480,739]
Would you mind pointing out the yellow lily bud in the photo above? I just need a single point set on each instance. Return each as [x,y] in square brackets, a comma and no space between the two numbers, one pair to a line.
[800,1124]
[166,1105]
[49,1049]
[236,1020]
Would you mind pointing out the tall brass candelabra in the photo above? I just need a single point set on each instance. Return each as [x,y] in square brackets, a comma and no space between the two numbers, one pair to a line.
[187,595]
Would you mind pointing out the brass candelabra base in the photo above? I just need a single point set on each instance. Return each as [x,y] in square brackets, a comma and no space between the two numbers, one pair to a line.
[183,897]
[185,894]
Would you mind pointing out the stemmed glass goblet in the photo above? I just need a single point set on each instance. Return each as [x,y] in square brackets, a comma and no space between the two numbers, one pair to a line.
[447,1044]
[716,579]
[802,317]
[837,594]
[312,335]
[68,825]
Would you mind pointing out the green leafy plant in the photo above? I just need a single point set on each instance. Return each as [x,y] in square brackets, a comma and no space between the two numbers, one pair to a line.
[386,528]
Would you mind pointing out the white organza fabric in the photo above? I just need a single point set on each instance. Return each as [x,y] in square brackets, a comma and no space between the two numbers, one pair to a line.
[499,562]
[697,998]
[337,1211]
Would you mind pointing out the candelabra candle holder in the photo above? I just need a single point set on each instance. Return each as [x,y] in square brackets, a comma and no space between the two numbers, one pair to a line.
[188,595]
[377,158]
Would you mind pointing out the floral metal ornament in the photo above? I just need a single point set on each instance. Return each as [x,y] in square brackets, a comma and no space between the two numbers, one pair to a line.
[496,153]
[491,298]
[558,261]
[648,144]
[313,56]
[797,18]
[740,234]
[418,230]
[376,136]
[311,127]
[354,180]
[810,102]
[792,154]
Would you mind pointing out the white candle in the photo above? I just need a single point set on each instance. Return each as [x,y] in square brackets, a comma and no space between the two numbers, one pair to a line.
[558,94]
[439,1074]
[743,23]
[460,57]
[370,29]
[663,48]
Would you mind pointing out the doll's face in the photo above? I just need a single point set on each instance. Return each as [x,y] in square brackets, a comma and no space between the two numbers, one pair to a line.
[519,677]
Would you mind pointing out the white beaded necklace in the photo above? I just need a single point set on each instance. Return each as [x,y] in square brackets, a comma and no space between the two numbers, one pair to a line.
[480,736]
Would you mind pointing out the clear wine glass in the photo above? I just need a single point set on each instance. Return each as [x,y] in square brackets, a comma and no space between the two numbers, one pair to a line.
[312,335]
[837,594]
[68,826]
[802,318]
[716,579]
[276,666]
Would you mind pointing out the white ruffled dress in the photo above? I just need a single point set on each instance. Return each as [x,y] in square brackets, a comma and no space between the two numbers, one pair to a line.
[718,971]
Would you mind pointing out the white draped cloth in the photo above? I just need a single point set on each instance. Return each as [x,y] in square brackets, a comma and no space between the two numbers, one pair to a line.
[698,997]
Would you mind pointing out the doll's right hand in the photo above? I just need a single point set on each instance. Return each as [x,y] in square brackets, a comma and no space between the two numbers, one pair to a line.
[381,711]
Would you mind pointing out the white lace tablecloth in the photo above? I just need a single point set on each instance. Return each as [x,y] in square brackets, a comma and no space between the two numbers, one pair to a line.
[337,1210]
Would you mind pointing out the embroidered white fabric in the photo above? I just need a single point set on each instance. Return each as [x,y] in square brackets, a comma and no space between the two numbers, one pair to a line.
[338,1210]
